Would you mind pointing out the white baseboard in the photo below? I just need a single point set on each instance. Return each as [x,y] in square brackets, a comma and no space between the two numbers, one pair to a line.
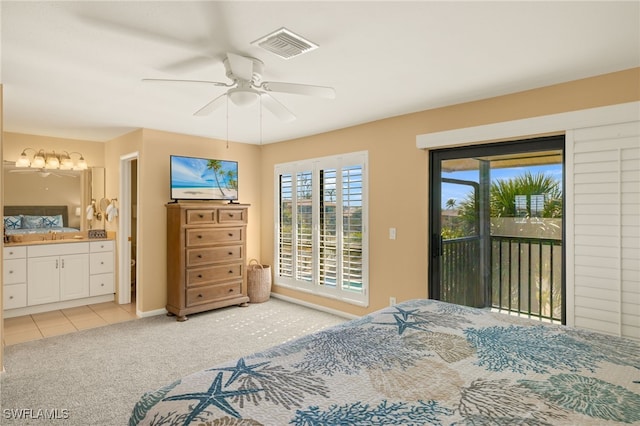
[314,306]
[151,313]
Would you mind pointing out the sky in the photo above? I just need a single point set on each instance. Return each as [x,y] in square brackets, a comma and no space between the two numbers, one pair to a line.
[459,192]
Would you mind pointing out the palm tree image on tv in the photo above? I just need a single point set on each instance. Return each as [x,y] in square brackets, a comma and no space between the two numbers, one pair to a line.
[203,179]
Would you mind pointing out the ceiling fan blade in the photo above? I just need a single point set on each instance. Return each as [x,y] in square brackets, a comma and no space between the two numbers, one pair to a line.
[299,89]
[189,64]
[240,66]
[276,108]
[211,106]
[173,80]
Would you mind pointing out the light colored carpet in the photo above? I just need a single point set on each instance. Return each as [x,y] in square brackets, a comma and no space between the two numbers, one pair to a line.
[94,377]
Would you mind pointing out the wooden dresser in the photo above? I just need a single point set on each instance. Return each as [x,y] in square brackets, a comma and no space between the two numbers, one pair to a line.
[206,260]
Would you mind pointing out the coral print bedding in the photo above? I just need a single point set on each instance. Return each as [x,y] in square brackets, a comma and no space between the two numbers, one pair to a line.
[421,362]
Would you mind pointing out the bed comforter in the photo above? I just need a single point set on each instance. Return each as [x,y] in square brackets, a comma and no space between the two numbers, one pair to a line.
[421,362]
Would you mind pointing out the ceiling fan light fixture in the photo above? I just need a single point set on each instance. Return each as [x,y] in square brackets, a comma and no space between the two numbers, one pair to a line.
[243,97]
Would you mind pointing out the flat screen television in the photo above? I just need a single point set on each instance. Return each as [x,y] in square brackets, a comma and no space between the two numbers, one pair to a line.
[195,178]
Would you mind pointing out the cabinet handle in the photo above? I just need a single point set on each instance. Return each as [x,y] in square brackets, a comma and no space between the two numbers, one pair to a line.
[63,263]
[56,264]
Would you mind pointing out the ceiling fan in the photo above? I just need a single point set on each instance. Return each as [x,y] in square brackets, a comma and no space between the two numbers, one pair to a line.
[247,88]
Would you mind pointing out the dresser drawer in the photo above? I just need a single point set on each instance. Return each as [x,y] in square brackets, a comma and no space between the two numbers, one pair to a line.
[232,216]
[15,296]
[213,273]
[101,246]
[205,237]
[100,263]
[15,252]
[195,217]
[210,293]
[15,271]
[101,284]
[203,256]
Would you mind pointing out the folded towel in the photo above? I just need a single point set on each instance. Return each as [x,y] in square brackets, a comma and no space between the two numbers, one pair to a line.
[90,212]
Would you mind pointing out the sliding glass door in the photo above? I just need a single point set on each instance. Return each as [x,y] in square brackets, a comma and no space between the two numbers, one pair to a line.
[496,227]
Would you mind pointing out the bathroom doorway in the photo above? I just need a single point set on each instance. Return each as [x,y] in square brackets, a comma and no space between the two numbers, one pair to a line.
[128,231]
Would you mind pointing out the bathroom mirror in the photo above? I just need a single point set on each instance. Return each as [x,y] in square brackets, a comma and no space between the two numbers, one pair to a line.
[41,187]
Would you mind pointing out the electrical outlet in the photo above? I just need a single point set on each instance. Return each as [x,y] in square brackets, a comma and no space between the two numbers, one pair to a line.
[392,301]
[392,233]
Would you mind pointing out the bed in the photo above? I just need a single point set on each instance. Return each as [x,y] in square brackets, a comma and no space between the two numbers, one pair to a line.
[419,362]
[20,220]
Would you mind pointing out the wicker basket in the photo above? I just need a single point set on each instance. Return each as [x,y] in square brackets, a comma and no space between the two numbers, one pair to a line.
[258,282]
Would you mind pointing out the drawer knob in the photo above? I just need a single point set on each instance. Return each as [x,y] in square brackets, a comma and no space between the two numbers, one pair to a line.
[199,256]
[200,296]
[231,271]
[201,216]
[199,275]
[230,214]
[11,253]
[102,263]
[230,290]
[199,236]
[230,234]
[10,297]
[230,253]
[11,272]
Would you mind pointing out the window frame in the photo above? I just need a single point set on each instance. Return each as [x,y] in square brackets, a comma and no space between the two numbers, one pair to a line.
[315,166]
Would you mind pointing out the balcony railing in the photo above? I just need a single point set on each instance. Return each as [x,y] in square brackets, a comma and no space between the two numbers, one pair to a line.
[525,275]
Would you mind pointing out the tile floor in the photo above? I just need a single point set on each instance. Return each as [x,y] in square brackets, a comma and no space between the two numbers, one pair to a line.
[46,324]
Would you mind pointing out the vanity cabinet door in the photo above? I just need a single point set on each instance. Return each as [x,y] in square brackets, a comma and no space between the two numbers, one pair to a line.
[43,280]
[74,276]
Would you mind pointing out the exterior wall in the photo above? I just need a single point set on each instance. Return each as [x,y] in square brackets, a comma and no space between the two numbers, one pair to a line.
[398,172]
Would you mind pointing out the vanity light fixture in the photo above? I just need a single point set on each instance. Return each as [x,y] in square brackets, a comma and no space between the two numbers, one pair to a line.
[51,160]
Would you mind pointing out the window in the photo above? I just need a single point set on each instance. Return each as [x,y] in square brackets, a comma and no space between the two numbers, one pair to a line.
[321,227]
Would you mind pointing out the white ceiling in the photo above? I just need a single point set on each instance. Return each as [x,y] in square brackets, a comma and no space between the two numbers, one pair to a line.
[73,69]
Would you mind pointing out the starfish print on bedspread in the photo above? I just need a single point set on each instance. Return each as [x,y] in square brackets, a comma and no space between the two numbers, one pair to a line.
[421,320]
[241,368]
[213,396]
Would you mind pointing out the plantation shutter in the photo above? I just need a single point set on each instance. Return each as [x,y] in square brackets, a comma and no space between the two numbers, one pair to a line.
[321,230]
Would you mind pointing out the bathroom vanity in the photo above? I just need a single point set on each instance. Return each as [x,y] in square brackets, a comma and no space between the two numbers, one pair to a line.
[41,276]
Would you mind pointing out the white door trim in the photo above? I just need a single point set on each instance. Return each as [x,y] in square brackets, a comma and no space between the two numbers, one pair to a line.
[124,231]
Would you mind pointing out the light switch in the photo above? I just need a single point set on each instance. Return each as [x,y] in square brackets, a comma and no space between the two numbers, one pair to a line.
[392,233]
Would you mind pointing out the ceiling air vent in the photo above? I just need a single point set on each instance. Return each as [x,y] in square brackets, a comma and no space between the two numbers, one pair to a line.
[285,43]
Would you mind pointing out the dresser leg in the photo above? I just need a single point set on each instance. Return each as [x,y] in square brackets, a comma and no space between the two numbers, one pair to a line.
[243,305]
[181,318]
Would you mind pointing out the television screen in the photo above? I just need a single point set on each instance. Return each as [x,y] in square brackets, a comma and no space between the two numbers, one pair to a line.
[203,179]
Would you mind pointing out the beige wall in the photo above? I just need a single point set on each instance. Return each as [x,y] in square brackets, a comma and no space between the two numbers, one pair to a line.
[398,174]
[154,148]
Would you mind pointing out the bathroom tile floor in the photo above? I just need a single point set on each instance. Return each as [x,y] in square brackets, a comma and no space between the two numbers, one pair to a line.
[46,324]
